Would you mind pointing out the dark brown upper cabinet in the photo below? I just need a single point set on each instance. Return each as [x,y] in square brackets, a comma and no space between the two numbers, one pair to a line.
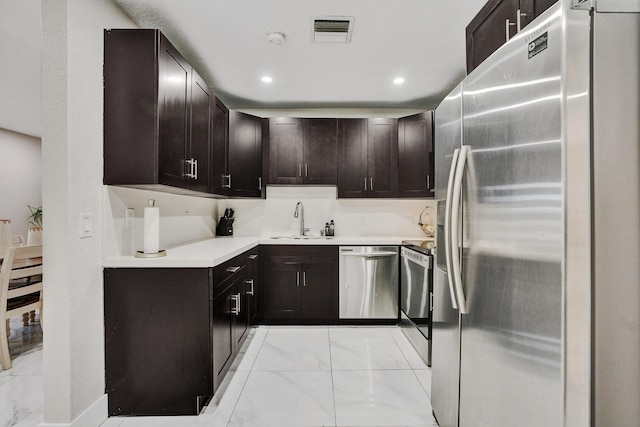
[244,172]
[367,158]
[219,145]
[415,155]
[496,23]
[302,151]
[157,111]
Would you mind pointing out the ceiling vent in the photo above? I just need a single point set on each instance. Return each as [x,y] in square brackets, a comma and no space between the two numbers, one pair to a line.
[332,29]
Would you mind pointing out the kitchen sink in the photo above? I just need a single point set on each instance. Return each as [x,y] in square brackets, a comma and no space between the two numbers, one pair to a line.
[298,237]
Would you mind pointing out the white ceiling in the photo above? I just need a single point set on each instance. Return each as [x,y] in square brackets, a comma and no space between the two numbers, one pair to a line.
[420,40]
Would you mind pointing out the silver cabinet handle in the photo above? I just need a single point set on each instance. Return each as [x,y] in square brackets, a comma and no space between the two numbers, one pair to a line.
[430,301]
[304,278]
[260,183]
[249,282]
[236,304]
[365,183]
[371,182]
[253,256]
[507,25]
[223,183]
[428,182]
[233,269]
[519,20]
[306,169]
[192,164]
[297,278]
[299,169]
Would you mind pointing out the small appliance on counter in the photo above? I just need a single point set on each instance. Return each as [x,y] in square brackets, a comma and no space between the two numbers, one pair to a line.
[225,225]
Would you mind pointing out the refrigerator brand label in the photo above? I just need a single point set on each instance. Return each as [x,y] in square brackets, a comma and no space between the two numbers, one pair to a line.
[538,45]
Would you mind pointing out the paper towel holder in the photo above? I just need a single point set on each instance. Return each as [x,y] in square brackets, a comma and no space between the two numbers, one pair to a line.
[159,253]
[142,254]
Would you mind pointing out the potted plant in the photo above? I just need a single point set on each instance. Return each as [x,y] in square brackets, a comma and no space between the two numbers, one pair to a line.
[34,236]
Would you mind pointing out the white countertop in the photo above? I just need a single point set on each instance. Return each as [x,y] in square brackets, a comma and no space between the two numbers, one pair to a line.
[212,252]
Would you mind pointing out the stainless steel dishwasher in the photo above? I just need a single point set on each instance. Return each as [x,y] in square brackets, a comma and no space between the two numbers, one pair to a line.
[368,282]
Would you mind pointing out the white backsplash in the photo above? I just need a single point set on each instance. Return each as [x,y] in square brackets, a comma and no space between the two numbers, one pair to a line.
[187,218]
[353,217]
[182,219]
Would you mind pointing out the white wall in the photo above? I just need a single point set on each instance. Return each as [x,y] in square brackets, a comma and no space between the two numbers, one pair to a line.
[72,104]
[20,178]
[353,217]
[182,219]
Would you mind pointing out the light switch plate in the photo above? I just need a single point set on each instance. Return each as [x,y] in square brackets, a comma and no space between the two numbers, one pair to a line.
[128,217]
[86,225]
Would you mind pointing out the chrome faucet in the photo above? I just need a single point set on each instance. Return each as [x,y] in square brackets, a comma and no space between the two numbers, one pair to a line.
[299,213]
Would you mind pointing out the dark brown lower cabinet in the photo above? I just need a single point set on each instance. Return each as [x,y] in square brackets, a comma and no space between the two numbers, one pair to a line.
[158,347]
[299,284]
[171,334]
[229,325]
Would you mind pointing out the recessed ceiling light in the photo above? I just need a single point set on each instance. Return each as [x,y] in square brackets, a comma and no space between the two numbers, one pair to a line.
[398,80]
[266,79]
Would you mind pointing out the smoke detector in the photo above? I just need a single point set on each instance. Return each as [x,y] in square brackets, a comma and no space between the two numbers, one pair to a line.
[332,29]
[275,38]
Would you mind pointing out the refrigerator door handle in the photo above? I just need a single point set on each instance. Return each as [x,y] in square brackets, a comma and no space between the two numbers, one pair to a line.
[447,227]
[455,223]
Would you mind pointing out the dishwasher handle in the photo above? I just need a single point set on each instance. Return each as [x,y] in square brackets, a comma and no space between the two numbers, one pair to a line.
[369,254]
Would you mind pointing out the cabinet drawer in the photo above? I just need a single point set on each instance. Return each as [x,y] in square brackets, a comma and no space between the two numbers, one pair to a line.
[226,272]
[295,254]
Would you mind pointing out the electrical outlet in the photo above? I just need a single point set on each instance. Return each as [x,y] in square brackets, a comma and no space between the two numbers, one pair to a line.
[86,225]
[129,215]
[363,222]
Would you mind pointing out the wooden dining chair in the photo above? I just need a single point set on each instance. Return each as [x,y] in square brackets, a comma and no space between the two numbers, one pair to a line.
[20,290]
[17,240]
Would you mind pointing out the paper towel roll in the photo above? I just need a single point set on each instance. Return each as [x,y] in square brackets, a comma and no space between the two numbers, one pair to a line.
[151,230]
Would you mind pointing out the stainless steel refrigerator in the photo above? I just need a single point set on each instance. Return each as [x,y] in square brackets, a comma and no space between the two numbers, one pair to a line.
[536,314]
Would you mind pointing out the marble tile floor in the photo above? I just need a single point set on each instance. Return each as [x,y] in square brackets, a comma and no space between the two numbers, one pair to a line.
[21,388]
[316,376]
[284,376]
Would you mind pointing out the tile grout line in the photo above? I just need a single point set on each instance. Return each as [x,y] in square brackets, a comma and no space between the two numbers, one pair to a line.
[246,380]
[333,387]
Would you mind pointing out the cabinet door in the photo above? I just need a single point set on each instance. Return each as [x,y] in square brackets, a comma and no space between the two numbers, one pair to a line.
[320,151]
[239,301]
[200,139]
[245,155]
[219,131]
[130,97]
[223,335]
[285,151]
[319,295]
[488,30]
[281,289]
[531,9]
[352,157]
[252,285]
[382,154]
[157,319]
[415,155]
[174,89]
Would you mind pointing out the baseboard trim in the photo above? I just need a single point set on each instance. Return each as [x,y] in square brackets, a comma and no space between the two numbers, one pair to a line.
[94,415]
